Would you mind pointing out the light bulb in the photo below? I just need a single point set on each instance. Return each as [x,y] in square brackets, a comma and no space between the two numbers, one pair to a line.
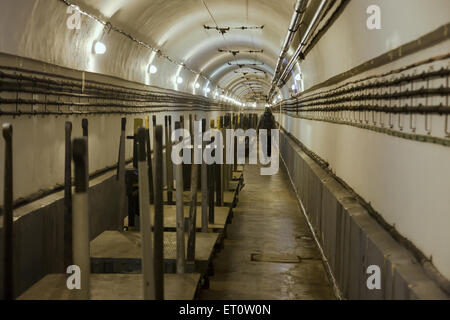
[179,80]
[99,47]
[153,69]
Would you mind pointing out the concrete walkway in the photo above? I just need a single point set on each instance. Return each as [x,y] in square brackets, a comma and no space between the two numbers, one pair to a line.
[268,222]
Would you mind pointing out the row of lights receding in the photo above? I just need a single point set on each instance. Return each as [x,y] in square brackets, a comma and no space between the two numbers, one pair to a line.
[100,48]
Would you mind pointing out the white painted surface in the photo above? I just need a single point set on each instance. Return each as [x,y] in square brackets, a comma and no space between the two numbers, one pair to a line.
[407,182]
[39,146]
[349,43]
[37,29]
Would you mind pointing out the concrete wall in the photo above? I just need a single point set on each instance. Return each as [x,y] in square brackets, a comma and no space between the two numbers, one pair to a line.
[38,147]
[349,43]
[39,140]
[39,226]
[37,30]
[407,182]
[350,238]
[39,231]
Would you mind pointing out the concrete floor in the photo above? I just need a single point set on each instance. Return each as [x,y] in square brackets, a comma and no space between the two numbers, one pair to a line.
[268,221]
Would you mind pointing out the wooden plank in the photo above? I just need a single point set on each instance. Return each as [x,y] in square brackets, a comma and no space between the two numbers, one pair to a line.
[220,222]
[114,287]
[126,245]
[228,197]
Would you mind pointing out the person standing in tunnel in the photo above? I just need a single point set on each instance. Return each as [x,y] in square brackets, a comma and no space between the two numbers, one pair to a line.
[267,121]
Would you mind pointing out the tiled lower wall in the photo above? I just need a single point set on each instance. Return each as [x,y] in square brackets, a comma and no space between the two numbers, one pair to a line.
[350,238]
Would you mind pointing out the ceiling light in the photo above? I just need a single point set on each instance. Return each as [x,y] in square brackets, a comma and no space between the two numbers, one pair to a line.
[153,69]
[293,87]
[99,47]
[179,80]
[197,85]
[298,77]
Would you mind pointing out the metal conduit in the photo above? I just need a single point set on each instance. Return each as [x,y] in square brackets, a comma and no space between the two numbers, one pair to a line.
[296,21]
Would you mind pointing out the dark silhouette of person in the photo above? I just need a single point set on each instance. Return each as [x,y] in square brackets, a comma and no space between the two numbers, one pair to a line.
[267,122]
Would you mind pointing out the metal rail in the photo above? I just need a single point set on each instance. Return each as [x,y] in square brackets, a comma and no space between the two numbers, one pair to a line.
[52,94]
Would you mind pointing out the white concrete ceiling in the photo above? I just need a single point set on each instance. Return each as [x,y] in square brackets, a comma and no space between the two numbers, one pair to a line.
[176,28]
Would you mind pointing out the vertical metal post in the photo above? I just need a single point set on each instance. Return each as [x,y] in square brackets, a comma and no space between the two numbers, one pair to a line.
[193,211]
[211,182]
[167,139]
[84,124]
[235,146]
[222,165]
[8,272]
[182,122]
[227,170]
[150,166]
[191,126]
[68,255]
[159,215]
[121,174]
[148,273]
[218,181]
[180,215]
[170,163]
[204,184]
[80,223]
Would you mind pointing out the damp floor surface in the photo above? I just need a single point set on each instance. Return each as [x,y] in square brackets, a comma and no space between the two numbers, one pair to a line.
[269,251]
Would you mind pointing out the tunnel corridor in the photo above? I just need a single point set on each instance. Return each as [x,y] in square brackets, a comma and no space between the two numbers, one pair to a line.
[200,150]
[267,222]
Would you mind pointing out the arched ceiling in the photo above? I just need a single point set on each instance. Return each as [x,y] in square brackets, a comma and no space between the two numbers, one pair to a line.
[176,27]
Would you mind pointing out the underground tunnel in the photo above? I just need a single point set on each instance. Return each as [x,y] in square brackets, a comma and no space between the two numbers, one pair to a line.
[224,150]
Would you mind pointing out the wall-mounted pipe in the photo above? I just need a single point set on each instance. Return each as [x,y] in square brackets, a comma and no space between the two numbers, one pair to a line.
[281,80]
[296,21]
[309,31]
